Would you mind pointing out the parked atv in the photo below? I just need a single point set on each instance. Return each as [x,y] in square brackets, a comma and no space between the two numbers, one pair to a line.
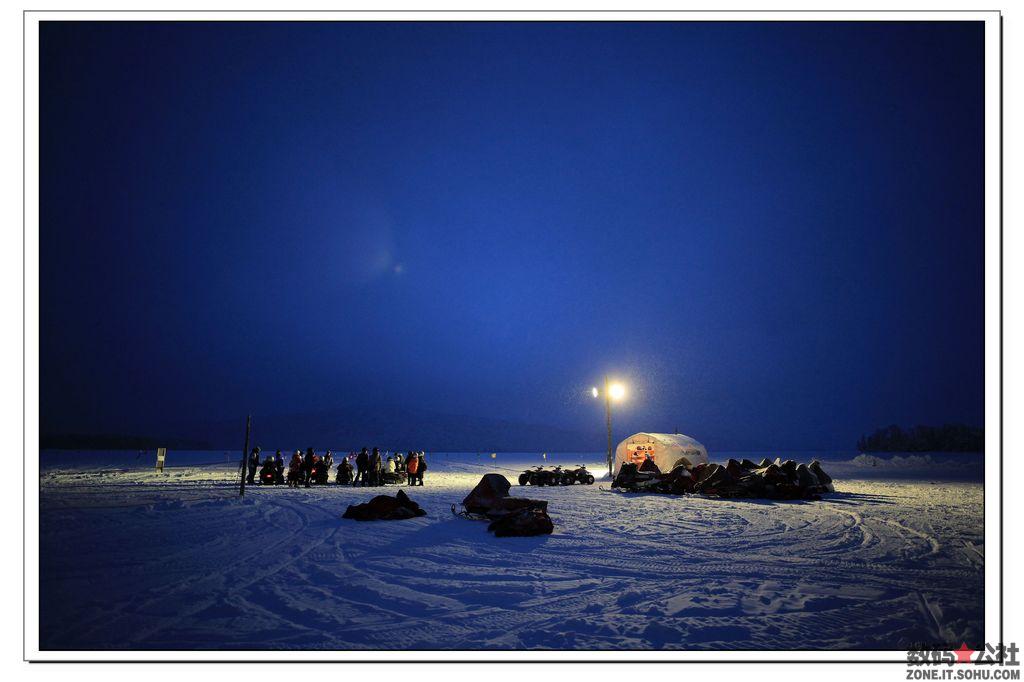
[578,475]
[540,476]
[556,476]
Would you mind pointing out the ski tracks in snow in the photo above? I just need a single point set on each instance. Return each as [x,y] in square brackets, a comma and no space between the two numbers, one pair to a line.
[139,561]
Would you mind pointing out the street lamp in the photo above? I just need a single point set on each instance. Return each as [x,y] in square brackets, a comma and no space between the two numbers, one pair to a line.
[612,391]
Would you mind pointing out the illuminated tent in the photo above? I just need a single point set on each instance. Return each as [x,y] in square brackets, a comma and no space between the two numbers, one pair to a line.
[666,449]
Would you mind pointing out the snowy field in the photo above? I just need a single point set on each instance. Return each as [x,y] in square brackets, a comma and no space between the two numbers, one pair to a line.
[132,559]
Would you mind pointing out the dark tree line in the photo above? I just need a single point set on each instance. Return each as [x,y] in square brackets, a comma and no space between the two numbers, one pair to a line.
[946,438]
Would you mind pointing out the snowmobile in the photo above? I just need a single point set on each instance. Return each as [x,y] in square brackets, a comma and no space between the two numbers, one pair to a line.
[319,474]
[392,477]
[490,500]
[631,478]
[268,475]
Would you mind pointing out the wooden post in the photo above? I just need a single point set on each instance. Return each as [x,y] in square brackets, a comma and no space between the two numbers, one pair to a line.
[245,455]
[161,455]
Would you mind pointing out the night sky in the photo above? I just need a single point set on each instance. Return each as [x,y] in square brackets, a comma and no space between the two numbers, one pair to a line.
[773,233]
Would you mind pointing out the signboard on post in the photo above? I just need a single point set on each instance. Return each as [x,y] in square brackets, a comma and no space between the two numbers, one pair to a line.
[161,455]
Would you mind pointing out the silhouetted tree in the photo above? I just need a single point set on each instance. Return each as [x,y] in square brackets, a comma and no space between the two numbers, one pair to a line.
[945,438]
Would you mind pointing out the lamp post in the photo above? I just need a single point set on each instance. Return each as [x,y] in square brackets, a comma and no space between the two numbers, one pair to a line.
[612,391]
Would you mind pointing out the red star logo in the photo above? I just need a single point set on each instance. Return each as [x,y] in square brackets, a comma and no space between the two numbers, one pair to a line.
[963,654]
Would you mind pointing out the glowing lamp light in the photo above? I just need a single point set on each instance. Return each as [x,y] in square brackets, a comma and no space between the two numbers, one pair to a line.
[594,392]
[617,391]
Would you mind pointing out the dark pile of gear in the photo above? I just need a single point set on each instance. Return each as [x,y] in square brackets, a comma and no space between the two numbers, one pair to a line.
[509,516]
[385,508]
[778,480]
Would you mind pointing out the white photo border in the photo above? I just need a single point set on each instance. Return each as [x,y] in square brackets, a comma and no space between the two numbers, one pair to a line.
[993,515]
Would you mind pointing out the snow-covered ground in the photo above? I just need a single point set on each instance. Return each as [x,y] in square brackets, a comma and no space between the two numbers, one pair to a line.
[132,559]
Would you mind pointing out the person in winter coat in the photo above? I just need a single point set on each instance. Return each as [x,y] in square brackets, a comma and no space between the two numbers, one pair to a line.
[328,462]
[362,463]
[295,470]
[411,466]
[375,466]
[344,476]
[319,475]
[391,465]
[399,463]
[307,466]
[254,465]
[421,467]
[278,468]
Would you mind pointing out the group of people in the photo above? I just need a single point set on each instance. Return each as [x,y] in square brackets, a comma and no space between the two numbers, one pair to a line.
[374,469]
[364,469]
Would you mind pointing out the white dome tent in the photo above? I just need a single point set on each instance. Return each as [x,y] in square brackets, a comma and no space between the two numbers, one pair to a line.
[666,449]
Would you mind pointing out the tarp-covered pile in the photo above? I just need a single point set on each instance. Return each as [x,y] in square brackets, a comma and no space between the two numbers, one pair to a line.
[779,480]
[509,516]
[385,508]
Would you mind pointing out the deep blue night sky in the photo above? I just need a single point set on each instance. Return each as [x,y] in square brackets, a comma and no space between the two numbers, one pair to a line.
[772,232]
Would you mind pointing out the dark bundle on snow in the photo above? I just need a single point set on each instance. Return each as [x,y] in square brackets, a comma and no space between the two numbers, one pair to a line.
[509,516]
[384,508]
[522,523]
[784,480]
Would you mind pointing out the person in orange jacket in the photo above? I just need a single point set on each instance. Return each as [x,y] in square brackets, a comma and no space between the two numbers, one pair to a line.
[411,465]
